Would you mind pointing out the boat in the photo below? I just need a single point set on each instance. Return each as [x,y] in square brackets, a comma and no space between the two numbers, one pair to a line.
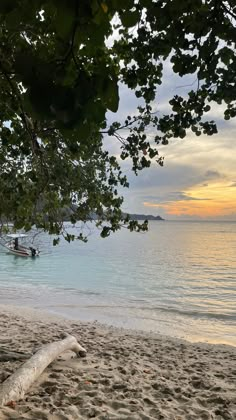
[14,246]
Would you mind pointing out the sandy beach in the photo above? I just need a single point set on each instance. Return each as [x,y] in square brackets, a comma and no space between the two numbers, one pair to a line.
[126,375]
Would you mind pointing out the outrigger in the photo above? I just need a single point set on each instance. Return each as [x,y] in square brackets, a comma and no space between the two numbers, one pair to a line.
[14,247]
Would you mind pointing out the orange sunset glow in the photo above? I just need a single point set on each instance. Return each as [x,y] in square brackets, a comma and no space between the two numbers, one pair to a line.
[215,200]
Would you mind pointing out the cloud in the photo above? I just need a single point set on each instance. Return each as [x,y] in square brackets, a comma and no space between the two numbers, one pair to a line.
[199,173]
[172,196]
[172,177]
[213,174]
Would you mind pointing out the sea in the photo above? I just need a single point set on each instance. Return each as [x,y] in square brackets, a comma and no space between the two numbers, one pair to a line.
[178,279]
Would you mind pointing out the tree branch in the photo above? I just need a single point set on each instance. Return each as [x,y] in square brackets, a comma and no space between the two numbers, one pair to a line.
[228,11]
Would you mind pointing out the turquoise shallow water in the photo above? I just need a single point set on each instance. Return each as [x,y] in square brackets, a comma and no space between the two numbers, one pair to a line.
[178,279]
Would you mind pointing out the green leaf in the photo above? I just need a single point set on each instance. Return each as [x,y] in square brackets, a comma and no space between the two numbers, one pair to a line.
[6,6]
[56,241]
[130,19]
[110,94]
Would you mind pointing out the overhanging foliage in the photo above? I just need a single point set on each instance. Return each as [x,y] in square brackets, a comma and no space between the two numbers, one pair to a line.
[59,76]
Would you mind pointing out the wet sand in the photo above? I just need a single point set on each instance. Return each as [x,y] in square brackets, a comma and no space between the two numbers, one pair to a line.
[126,375]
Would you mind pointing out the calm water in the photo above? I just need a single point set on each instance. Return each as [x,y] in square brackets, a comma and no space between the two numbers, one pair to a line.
[178,279]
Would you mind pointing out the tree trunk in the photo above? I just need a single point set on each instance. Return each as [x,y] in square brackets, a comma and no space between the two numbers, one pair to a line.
[15,387]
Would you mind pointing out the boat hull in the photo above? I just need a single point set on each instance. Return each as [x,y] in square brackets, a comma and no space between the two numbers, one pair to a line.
[22,251]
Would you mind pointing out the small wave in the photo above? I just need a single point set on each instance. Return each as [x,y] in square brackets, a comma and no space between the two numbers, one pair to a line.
[194,314]
[127,307]
[76,291]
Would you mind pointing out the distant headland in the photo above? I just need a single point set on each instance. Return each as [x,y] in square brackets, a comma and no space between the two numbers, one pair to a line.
[144,217]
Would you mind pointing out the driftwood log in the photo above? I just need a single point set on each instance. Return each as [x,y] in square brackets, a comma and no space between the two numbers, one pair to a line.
[15,387]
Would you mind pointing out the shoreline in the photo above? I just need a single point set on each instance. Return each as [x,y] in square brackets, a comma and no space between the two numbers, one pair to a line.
[126,375]
[49,317]
[87,316]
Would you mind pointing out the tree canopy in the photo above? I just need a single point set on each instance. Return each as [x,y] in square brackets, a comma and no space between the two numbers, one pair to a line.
[62,63]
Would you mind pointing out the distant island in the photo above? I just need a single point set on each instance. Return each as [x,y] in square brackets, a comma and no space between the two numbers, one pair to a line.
[144,217]
[67,212]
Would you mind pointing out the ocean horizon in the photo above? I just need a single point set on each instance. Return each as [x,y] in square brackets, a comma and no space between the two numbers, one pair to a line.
[178,279]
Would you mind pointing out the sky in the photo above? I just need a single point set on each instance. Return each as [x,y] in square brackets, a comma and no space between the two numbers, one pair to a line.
[198,180]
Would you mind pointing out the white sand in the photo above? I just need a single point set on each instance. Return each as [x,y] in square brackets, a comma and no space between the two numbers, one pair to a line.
[126,375]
